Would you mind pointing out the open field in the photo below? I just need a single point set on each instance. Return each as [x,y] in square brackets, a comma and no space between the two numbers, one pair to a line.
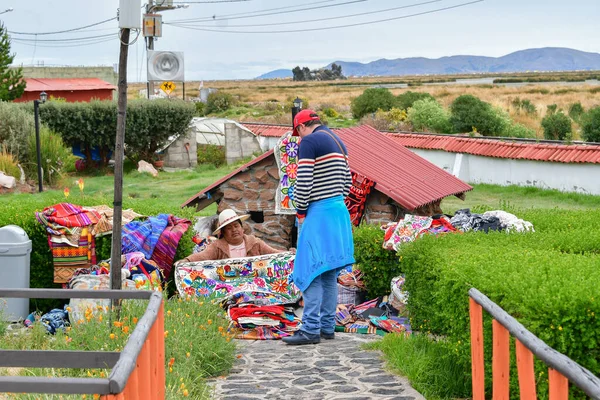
[256,94]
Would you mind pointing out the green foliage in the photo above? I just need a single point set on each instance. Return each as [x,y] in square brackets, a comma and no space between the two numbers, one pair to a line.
[468,113]
[200,106]
[218,102]
[576,110]
[321,74]
[16,125]
[56,157]
[526,105]
[590,125]
[148,126]
[551,109]
[430,365]
[557,126]
[211,154]
[405,100]
[8,164]
[372,100]
[519,131]
[377,264]
[12,84]
[330,112]
[428,115]
[547,280]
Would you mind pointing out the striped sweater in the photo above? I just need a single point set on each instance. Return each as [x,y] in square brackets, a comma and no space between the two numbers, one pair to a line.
[322,169]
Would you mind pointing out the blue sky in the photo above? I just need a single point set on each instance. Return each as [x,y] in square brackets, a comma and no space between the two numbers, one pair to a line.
[488,28]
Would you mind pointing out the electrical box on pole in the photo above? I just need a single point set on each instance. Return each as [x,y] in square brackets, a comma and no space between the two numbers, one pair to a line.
[152,25]
[130,14]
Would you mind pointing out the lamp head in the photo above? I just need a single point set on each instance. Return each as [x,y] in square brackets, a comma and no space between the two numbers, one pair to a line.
[43,97]
[298,103]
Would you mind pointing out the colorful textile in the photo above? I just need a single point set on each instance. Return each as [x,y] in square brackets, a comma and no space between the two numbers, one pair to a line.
[104,225]
[259,333]
[143,235]
[65,215]
[404,231]
[325,242]
[263,279]
[356,199]
[67,258]
[165,248]
[286,156]
[81,310]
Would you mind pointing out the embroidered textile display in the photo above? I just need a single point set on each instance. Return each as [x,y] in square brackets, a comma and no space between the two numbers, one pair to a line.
[68,258]
[406,230]
[355,201]
[260,279]
[286,156]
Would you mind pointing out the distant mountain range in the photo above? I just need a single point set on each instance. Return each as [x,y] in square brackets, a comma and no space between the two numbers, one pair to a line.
[544,59]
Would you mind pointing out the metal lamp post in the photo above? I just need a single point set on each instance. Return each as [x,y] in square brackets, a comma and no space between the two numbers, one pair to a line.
[296,108]
[36,110]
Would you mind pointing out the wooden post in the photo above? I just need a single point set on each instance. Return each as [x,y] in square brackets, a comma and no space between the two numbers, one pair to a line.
[526,372]
[500,361]
[558,385]
[132,389]
[115,253]
[477,365]
[160,324]
[143,367]
[154,361]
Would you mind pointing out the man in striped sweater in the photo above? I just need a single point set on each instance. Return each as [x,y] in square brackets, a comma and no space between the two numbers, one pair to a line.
[325,244]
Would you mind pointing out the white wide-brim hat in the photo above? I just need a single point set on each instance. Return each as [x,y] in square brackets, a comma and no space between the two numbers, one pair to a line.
[226,217]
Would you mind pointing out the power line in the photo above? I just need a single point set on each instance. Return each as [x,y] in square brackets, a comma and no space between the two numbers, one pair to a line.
[181,25]
[65,31]
[66,39]
[57,45]
[337,26]
[267,14]
[209,2]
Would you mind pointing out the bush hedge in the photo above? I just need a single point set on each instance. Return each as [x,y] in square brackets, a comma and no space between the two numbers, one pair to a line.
[468,112]
[21,212]
[547,280]
[429,116]
[557,126]
[590,125]
[372,100]
[149,124]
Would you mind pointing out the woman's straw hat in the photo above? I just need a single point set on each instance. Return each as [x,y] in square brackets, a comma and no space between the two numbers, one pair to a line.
[226,217]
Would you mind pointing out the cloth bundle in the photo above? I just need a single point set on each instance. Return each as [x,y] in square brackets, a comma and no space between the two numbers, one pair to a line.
[411,227]
[262,322]
[497,220]
[371,317]
[357,197]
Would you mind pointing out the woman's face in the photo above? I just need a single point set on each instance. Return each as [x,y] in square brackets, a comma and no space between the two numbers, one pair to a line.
[233,233]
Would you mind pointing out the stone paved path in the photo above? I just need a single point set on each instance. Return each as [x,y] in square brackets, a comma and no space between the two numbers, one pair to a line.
[332,370]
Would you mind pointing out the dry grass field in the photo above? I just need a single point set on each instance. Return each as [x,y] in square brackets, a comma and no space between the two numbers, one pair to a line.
[339,94]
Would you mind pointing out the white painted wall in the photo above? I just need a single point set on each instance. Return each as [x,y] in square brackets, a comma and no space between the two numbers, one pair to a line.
[567,177]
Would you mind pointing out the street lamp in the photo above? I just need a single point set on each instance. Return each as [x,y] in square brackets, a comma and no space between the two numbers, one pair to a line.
[36,111]
[296,108]
[7,10]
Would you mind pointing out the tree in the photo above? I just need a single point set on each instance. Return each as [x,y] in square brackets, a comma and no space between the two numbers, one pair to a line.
[372,100]
[298,74]
[590,125]
[12,84]
[468,113]
[557,126]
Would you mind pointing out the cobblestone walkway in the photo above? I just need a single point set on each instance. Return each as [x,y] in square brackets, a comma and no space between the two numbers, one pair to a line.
[334,369]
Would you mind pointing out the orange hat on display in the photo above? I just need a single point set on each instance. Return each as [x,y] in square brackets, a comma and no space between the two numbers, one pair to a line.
[303,117]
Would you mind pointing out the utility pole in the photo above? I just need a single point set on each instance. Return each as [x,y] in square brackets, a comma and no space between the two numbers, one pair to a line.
[115,251]
[149,8]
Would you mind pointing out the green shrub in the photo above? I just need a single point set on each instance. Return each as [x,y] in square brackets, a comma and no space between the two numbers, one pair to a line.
[211,154]
[16,124]
[547,280]
[405,100]
[429,116]
[149,124]
[525,105]
[468,113]
[200,106]
[551,109]
[377,264]
[590,125]
[519,131]
[372,100]
[576,110]
[557,126]
[219,102]
[56,157]
[8,164]
[330,112]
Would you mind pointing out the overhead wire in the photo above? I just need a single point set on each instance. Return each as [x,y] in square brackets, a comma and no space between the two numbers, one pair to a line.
[64,31]
[64,39]
[332,27]
[328,18]
[57,45]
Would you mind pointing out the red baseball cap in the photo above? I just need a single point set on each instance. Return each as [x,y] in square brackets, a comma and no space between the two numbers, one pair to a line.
[303,117]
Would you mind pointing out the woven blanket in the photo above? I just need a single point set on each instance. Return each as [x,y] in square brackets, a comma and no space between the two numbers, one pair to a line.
[406,230]
[259,333]
[143,235]
[67,258]
[286,156]
[356,199]
[105,223]
[260,279]
[165,248]
[59,219]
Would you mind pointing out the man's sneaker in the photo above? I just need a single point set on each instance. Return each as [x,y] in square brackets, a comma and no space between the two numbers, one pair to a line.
[301,337]
[327,336]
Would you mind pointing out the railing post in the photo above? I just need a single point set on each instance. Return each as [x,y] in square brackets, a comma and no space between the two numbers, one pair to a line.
[153,337]
[132,389]
[477,364]
[145,373]
[558,385]
[526,372]
[500,362]
[160,327]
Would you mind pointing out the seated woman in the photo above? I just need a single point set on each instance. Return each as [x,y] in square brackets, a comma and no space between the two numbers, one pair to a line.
[232,243]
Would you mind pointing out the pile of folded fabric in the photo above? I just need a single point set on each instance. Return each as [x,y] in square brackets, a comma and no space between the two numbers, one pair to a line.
[351,287]
[411,227]
[259,322]
[372,317]
[497,220]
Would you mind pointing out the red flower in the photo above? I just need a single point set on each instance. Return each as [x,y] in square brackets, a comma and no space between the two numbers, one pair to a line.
[292,171]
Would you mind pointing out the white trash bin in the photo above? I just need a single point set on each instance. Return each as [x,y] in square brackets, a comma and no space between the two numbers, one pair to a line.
[15,254]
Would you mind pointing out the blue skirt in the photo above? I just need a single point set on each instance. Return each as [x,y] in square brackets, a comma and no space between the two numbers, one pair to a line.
[325,241]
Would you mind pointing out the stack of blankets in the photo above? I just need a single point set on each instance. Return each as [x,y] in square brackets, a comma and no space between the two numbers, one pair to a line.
[373,317]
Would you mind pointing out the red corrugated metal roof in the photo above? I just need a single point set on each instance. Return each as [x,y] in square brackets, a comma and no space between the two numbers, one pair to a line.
[63,84]
[407,178]
[495,148]
[267,130]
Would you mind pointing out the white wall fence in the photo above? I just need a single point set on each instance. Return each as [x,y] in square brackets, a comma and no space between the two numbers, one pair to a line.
[566,177]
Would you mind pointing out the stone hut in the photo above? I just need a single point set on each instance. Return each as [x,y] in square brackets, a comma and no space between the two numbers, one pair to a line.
[404,182]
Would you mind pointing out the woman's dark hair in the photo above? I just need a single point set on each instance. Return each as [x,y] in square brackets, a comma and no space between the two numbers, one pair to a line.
[313,122]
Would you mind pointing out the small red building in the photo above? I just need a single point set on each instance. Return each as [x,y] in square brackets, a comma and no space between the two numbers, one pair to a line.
[73,90]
